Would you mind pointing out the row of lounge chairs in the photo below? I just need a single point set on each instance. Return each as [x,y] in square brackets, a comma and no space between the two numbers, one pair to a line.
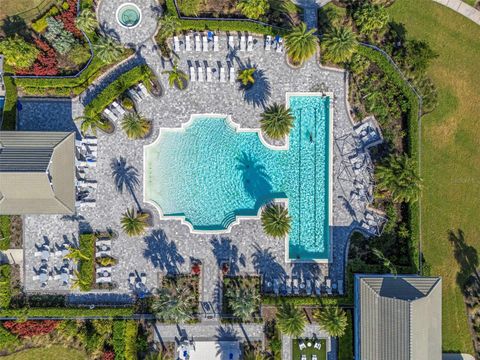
[197,74]
[308,286]
[87,150]
[115,111]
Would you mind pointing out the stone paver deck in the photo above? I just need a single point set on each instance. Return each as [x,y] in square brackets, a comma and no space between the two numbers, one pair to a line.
[311,331]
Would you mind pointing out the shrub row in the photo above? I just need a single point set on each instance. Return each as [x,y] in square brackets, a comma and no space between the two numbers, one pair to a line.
[116,88]
[412,132]
[131,332]
[222,25]
[5,287]
[10,106]
[119,339]
[65,313]
[86,268]
[4,232]
[306,300]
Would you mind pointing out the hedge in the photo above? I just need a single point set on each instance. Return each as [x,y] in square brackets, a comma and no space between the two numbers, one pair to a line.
[116,88]
[131,332]
[86,268]
[345,343]
[119,339]
[9,121]
[306,300]
[4,232]
[222,25]
[412,133]
[5,287]
[65,313]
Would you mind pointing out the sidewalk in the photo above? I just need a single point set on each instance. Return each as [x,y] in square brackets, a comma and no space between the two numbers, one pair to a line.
[462,8]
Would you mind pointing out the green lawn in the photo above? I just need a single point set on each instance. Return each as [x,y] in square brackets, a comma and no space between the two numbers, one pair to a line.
[53,352]
[26,8]
[309,351]
[451,156]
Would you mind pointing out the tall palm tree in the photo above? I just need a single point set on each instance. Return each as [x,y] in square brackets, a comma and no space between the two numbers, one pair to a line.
[133,222]
[89,124]
[87,21]
[246,76]
[78,282]
[333,320]
[173,305]
[135,126]
[125,176]
[276,121]
[76,254]
[398,175]
[253,9]
[243,301]
[290,320]
[176,77]
[107,49]
[168,26]
[276,221]
[339,44]
[301,43]
[385,261]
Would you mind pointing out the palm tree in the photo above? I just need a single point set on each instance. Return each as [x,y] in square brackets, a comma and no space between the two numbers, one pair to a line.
[173,305]
[135,126]
[176,77]
[339,44]
[253,9]
[301,43]
[76,254]
[125,176]
[243,301]
[386,262]
[276,121]
[133,222]
[87,21]
[78,283]
[333,320]
[275,220]
[246,76]
[168,26]
[290,320]
[253,353]
[398,175]
[89,124]
[107,49]
[371,18]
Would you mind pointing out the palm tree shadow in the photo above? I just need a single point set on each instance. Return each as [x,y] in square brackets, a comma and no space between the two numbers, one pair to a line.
[13,25]
[466,257]
[256,181]
[267,265]
[163,253]
[259,93]
[125,177]
[226,253]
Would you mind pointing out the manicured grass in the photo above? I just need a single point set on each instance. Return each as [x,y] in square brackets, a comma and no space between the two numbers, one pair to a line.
[309,351]
[53,352]
[450,160]
[14,7]
[345,346]
[4,232]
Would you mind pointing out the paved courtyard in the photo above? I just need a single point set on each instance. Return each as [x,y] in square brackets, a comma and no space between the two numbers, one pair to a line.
[169,247]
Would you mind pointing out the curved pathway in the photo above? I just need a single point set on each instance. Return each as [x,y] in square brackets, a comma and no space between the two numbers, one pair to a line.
[462,8]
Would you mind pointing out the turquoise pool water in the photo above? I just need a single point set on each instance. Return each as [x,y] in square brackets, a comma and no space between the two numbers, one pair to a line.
[210,173]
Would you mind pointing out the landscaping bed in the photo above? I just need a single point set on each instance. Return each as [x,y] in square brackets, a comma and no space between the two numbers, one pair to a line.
[240,282]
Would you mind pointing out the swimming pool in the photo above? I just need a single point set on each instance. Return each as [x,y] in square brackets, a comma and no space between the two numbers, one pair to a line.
[211,173]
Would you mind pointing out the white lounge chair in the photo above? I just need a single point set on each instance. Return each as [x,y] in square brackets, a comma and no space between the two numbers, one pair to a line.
[102,280]
[314,357]
[268,42]
[200,74]
[85,203]
[318,287]
[205,43]
[103,269]
[295,287]
[35,277]
[188,45]
[302,346]
[250,43]
[304,357]
[134,95]
[208,70]
[280,45]
[231,43]
[198,43]
[192,74]
[103,243]
[222,74]
[176,44]
[242,43]
[328,286]
[37,253]
[110,115]
[215,43]
[118,107]
[144,90]
[90,140]
[308,286]
[104,253]
[83,183]
[232,74]
[276,286]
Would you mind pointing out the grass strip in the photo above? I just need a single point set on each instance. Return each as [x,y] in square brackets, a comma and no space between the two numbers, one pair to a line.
[9,121]
[5,232]
[86,268]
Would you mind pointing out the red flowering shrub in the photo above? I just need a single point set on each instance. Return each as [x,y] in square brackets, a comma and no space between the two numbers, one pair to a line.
[108,355]
[30,328]
[46,63]
[68,18]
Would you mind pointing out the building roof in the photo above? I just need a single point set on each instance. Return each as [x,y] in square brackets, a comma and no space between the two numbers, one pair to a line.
[37,172]
[398,317]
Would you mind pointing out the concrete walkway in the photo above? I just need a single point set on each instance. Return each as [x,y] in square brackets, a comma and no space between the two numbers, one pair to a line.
[462,8]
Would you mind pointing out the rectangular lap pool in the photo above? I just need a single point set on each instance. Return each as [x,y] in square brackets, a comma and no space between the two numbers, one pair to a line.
[210,173]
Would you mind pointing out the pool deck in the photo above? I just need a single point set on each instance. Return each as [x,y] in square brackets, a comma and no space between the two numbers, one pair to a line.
[169,247]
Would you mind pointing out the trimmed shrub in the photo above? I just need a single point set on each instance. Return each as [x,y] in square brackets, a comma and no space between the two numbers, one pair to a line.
[31,328]
[65,313]
[41,24]
[8,341]
[119,339]
[306,300]
[5,287]
[131,331]
[10,105]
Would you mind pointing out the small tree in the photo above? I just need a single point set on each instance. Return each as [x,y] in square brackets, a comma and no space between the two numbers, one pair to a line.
[276,121]
[76,254]
[290,320]
[87,21]
[253,9]
[18,53]
[339,44]
[333,320]
[134,223]
[275,220]
[135,126]
[246,76]
[244,301]
[301,43]
[107,49]
[176,77]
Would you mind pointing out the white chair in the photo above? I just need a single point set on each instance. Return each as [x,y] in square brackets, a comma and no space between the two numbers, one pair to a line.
[37,253]
[200,74]
[83,183]
[268,42]
[295,287]
[192,74]
[302,346]
[198,43]
[100,280]
[222,74]
[215,43]
[118,107]
[134,95]
[314,357]
[308,286]
[208,70]
[317,345]
[102,269]
[250,43]
[110,115]
[231,43]
[232,75]
[104,243]
[205,43]
[188,46]
[35,277]
[144,90]
[176,44]
[318,287]
[279,45]
[242,43]
[328,285]
[90,140]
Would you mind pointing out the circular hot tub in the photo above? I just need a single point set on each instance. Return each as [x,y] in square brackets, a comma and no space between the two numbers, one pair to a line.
[129,15]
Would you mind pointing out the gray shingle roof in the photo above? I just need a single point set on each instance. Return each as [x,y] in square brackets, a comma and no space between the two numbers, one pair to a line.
[398,318]
[37,172]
